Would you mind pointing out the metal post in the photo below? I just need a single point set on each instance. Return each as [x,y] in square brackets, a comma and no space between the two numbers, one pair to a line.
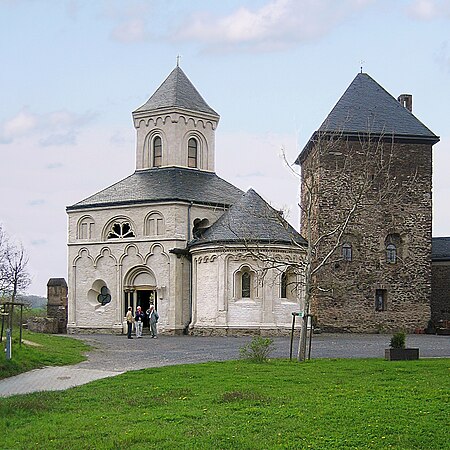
[8,344]
[294,315]
[311,330]
[21,320]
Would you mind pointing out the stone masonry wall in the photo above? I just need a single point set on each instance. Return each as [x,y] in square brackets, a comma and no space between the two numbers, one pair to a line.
[440,303]
[392,187]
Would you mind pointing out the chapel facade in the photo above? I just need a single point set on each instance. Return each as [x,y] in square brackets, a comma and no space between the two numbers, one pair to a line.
[366,201]
[176,235]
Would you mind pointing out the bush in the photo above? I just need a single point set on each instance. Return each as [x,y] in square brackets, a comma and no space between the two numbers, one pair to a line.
[398,340]
[257,350]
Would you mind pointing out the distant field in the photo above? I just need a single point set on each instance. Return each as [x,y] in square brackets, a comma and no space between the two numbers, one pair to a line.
[321,404]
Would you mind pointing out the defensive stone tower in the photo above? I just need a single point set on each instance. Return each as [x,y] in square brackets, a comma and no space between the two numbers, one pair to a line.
[366,201]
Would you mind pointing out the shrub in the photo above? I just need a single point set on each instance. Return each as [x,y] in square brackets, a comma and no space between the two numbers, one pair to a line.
[257,350]
[398,340]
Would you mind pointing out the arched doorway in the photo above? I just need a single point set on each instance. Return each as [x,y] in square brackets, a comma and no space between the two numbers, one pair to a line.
[140,290]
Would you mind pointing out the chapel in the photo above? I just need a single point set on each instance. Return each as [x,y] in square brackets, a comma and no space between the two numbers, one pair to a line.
[176,235]
[215,260]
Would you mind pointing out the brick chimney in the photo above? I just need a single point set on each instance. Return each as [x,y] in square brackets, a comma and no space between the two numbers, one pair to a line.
[406,101]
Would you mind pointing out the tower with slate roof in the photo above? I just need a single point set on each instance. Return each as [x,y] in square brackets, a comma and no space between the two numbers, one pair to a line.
[175,127]
[133,243]
[371,154]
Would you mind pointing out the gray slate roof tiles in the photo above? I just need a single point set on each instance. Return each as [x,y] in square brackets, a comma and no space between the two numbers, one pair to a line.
[367,108]
[164,184]
[177,91]
[250,219]
[440,250]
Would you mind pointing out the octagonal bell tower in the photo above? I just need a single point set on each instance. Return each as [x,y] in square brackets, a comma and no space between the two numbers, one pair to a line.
[175,127]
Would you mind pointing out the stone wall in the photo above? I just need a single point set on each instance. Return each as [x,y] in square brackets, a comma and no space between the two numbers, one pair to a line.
[440,299]
[43,325]
[390,188]
[57,302]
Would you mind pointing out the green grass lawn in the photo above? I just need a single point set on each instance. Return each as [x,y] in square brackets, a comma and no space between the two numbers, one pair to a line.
[321,404]
[48,350]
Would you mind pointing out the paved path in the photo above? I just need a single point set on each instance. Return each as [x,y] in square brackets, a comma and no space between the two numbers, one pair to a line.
[112,355]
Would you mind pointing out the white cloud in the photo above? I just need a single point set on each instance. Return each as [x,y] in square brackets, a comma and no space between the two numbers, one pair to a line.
[278,24]
[132,30]
[130,20]
[51,129]
[429,9]
[20,125]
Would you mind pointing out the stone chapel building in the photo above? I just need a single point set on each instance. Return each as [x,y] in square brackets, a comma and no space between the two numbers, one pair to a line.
[371,154]
[176,235]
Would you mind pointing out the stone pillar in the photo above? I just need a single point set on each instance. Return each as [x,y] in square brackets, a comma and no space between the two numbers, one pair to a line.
[57,302]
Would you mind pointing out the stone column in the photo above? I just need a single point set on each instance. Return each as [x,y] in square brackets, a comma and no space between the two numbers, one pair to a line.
[57,302]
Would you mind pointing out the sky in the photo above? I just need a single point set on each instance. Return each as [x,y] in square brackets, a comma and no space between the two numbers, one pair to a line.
[72,71]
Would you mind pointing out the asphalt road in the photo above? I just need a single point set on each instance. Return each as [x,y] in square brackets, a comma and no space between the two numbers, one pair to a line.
[112,355]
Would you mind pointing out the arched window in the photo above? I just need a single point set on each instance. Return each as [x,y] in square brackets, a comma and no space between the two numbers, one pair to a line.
[347,252]
[245,285]
[86,228]
[393,246]
[157,152]
[192,152]
[288,284]
[155,224]
[120,230]
[391,253]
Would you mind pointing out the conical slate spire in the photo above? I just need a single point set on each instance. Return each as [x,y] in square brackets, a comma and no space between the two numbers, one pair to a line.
[250,220]
[177,91]
[366,107]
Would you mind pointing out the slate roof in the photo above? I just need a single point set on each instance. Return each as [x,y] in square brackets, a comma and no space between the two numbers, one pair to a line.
[366,107]
[250,219]
[176,91]
[440,250]
[164,184]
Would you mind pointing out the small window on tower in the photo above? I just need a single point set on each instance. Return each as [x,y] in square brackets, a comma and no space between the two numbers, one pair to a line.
[157,152]
[347,252]
[391,253]
[380,300]
[192,152]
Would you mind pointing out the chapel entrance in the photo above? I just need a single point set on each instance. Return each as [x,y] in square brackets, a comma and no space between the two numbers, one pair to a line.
[140,290]
[145,298]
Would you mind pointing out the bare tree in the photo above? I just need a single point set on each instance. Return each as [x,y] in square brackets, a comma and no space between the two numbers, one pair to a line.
[363,179]
[14,276]
[362,171]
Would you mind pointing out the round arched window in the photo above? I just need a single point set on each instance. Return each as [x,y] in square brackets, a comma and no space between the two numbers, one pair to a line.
[192,152]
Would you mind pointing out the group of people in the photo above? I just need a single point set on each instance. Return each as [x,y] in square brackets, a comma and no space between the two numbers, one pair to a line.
[138,321]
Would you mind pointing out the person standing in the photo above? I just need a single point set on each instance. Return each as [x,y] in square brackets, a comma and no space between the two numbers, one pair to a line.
[153,317]
[139,321]
[130,319]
